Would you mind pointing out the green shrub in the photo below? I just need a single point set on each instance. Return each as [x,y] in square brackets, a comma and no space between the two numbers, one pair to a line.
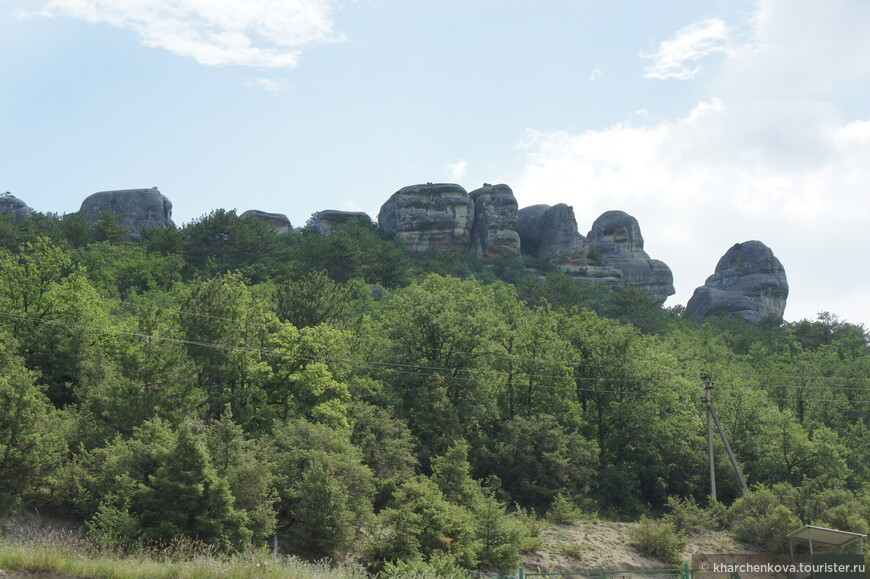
[574,550]
[563,511]
[437,567]
[688,517]
[657,539]
[594,258]
[528,530]
[760,517]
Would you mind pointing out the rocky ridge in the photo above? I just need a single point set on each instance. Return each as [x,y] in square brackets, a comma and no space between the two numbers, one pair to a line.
[749,281]
[617,238]
[430,216]
[327,221]
[551,232]
[494,232]
[11,205]
[277,220]
[138,209]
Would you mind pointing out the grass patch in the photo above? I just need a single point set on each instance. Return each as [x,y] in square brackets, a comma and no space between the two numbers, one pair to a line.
[76,557]
[576,551]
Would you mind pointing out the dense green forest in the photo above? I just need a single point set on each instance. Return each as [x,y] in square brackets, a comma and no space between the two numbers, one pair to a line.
[221,382]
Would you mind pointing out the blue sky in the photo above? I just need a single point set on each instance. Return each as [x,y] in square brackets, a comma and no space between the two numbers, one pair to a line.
[712,122]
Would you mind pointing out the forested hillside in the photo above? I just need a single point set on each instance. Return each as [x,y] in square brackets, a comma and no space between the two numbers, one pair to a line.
[223,382]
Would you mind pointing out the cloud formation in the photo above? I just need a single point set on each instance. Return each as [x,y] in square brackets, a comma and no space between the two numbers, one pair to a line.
[273,86]
[677,58]
[749,161]
[260,33]
[457,170]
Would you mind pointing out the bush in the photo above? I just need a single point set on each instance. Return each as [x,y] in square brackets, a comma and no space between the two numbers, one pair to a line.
[563,511]
[657,539]
[439,565]
[688,517]
[759,517]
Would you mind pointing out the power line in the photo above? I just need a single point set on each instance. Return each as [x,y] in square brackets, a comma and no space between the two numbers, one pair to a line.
[573,364]
[392,367]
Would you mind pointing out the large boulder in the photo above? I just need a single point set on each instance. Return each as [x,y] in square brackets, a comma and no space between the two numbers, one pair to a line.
[615,235]
[277,220]
[494,233]
[139,208]
[325,222]
[749,282]
[551,232]
[11,205]
[430,216]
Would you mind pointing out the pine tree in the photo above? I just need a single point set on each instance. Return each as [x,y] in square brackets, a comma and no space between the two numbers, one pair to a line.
[186,497]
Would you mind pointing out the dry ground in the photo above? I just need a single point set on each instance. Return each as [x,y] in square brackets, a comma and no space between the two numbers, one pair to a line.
[603,546]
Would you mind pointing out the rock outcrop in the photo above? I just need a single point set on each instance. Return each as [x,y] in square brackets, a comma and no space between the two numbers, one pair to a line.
[551,232]
[749,282]
[325,222]
[494,233]
[277,220]
[11,205]
[430,216]
[139,208]
[616,236]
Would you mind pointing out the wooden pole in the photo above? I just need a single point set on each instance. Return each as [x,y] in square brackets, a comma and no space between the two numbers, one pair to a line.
[708,387]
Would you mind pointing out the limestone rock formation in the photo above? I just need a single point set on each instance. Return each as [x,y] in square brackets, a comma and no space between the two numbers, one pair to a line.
[325,222]
[430,216]
[494,233]
[11,205]
[749,282]
[616,236]
[139,208]
[277,220]
[551,232]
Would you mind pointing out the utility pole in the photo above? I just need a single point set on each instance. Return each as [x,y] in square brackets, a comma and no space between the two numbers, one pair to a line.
[711,416]
[708,387]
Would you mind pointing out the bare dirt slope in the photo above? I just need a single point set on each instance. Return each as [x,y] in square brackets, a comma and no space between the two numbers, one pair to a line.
[603,546]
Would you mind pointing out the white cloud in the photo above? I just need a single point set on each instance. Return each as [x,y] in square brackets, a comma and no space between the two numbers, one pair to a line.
[273,86]
[595,75]
[770,154]
[457,170]
[350,205]
[696,193]
[261,33]
[678,57]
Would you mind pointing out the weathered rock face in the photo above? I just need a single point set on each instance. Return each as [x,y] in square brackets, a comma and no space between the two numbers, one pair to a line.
[277,220]
[325,222]
[430,216]
[616,236]
[749,282]
[552,232]
[139,208]
[494,233]
[11,205]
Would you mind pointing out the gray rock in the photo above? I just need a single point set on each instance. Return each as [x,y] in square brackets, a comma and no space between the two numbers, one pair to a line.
[139,209]
[277,220]
[325,222]
[749,282]
[11,205]
[494,233]
[616,236]
[430,216]
[551,232]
